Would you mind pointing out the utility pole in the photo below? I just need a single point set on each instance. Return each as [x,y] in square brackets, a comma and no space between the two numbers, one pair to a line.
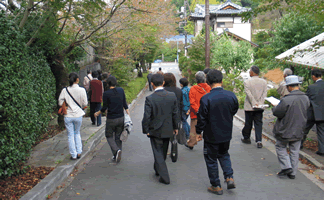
[207,42]
[185,18]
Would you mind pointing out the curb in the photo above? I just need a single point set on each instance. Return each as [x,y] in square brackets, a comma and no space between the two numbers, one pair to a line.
[60,173]
[302,154]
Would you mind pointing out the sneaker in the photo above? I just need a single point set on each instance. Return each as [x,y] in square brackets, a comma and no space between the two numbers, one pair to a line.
[216,190]
[246,141]
[113,158]
[118,156]
[259,145]
[291,176]
[230,183]
[285,172]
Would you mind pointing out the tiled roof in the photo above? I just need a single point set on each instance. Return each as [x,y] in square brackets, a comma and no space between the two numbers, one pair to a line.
[218,9]
[306,54]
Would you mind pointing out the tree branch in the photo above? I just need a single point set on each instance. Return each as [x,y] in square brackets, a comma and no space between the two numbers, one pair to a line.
[36,33]
[65,18]
[27,11]
[112,12]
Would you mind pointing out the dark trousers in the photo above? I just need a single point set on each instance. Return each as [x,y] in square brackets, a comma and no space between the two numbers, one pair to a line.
[250,118]
[114,128]
[150,85]
[160,149]
[95,107]
[319,131]
[212,153]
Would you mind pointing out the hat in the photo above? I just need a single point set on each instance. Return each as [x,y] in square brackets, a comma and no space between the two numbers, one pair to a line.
[292,80]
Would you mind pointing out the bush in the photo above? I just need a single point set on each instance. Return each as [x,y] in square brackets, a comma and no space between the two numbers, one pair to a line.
[27,89]
[272,92]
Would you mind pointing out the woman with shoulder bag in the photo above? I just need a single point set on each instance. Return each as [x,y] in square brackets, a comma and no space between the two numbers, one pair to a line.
[75,98]
[114,100]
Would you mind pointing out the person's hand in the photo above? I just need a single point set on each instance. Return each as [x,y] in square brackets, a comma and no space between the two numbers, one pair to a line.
[96,114]
[175,131]
[188,112]
[199,137]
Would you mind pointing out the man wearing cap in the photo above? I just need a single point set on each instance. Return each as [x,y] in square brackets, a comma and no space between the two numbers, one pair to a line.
[291,115]
[315,93]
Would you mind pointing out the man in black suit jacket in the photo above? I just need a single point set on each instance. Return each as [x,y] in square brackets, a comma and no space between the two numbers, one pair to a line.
[160,122]
[149,77]
[215,119]
[315,93]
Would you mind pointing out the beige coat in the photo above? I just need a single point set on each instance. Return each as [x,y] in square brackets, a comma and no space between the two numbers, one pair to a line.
[256,91]
[282,89]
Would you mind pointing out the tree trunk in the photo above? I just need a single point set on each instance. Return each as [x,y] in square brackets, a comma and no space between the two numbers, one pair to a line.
[61,80]
[139,71]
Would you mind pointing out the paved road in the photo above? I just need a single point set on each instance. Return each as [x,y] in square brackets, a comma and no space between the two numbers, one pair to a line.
[133,177]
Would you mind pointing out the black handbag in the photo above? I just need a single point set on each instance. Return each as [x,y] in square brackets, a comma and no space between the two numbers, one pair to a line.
[174,149]
[181,137]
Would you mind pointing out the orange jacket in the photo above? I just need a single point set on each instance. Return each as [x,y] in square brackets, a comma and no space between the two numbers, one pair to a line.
[195,94]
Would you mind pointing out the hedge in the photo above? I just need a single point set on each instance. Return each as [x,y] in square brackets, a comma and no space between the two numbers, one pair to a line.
[27,89]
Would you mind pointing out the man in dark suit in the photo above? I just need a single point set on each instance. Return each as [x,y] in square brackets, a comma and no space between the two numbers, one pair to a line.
[160,123]
[149,77]
[215,119]
[315,93]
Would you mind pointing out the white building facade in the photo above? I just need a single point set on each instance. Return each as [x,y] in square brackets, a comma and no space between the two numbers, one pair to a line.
[223,16]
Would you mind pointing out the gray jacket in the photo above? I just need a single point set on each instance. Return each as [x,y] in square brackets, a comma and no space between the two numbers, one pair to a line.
[292,116]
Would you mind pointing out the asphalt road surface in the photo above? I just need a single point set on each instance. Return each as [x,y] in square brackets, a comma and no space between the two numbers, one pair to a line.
[133,178]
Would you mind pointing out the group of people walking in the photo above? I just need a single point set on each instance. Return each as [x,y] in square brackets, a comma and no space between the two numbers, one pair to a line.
[98,88]
[211,109]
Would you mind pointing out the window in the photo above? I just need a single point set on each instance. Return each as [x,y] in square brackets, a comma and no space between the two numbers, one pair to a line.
[224,24]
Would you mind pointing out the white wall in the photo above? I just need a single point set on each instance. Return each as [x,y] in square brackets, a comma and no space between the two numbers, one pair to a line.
[224,19]
[198,26]
[237,20]
[242,30]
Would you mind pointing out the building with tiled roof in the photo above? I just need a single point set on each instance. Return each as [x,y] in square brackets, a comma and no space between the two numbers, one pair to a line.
[223,16]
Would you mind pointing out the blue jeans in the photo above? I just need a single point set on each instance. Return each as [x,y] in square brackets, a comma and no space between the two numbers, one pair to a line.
[212,153]
[185,124]
[73,125]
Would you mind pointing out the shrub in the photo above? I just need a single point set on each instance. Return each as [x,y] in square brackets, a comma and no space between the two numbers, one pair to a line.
[27,89]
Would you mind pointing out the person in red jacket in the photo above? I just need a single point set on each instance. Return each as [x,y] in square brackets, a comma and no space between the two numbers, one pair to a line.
[195,94]
[96,92]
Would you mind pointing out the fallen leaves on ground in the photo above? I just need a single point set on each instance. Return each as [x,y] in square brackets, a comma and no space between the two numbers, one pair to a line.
[16,186]
[311,145]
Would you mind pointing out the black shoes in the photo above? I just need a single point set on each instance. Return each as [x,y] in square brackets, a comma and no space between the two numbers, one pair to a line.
[246,141]
[285,172]
[291,176]
[191,148]
[78,156]
[319,153]
[93,123]
[259,145]
[164,182]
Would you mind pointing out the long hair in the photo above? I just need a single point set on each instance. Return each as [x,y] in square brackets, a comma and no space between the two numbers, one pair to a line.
[170,80]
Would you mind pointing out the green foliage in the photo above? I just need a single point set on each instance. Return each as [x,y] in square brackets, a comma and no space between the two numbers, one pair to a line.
[122,69]
[293,29]
[134,87]
[272,92]
[169,52]
[233,57]
[27,89]
[235,84]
